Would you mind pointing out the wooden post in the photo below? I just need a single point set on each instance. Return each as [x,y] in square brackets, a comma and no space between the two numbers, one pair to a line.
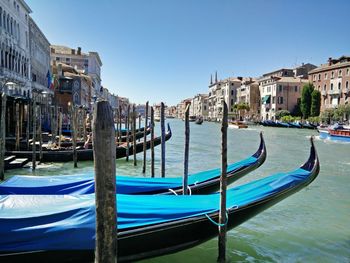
[120,125]
[28,125]
[127,133]
[74,129]
[223,188]
[2,135]
[187,147]
[105,183]
[134,133]
[140,126]
[21,113]
[60,120]
[145,140]
[162,126]
[17,127]
[34,132]
[152,142]
[84,125]
[40,136]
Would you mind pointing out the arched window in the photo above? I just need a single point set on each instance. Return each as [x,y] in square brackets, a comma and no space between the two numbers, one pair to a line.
[325,87]
[331,86]
[339,86]
[347,85]
[11,26]
[4,19]
[8,23]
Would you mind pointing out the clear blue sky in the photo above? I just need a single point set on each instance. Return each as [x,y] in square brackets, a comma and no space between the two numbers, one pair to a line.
[162,50]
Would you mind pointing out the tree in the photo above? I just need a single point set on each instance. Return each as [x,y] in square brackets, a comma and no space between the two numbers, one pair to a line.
[297,111]
[281,113]
[315,103]
[306,100]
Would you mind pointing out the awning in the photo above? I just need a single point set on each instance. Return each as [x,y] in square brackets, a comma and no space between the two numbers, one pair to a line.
[266,99]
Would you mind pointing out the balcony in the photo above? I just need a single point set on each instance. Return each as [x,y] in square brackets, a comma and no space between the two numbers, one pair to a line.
[12,75]
[324,93]
[334,92]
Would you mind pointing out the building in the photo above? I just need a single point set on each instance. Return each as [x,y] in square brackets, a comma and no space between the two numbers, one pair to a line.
[303,70]
[279,93]
[223,90]
[181,107]
[248,93]
[199,106]
[88,63]
[40,59]
[171,112]
[14,47]
[332,80]
[73,87]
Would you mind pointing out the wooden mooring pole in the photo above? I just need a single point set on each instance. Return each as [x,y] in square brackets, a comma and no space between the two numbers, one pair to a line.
[187,147]
[127,133]
[134,134]
[145,140]
[28,125]
[40,135]
[152,142]
[120,125]
[140,126]
[17,127]
[34,132]
[60,120]
[105,183]
[2,136]
[162,126]
[74,129]
[223,188]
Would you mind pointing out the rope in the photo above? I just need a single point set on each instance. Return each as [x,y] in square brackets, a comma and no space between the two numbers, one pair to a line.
[171,190]
[189,189]
[215,223]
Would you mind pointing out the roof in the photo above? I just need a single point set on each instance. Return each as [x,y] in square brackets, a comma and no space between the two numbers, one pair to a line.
[24,4]
[291,80]
[64,50]
[337,64]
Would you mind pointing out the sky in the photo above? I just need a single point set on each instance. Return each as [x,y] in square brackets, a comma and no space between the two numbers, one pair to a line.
[162,50]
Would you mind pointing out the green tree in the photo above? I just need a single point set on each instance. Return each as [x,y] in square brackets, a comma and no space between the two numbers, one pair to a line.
[315,103]
[305,105]
[279,114]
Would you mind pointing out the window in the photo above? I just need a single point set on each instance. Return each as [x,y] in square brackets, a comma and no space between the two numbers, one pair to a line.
[347,72]
[231,102]
[331,86]
[67,59]
[296,88]
[57,59]
[280,88]
[232,92]
[273,99]
[347,85]
[325,76]
[332,74]
[339,73]
[325,87]
[319,76]
[280,100]
[339,86]
[314,77]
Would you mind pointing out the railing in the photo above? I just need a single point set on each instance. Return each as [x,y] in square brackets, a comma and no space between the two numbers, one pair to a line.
[334,91]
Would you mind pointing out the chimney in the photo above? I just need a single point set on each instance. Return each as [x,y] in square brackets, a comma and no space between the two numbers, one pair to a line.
[240,78]
[73,51]
[330,61]
[79,51]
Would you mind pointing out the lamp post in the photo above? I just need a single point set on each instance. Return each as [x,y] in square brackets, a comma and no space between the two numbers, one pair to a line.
[6,84]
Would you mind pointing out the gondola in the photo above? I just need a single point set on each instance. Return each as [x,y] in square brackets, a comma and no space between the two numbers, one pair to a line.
[198,183]
[199,121]
[84,154]
[39,228]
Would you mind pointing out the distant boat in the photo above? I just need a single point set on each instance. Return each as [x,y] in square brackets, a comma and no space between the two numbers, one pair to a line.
[192,118]
[334,133]
[237,125]
[199,120]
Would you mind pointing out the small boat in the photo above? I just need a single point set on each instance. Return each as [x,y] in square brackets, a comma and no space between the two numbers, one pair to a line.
[199,183]
[66,155]
[335,133]
[192,118]
[295,125]
[61,228]
[237,125]
[199,120]
[282,124]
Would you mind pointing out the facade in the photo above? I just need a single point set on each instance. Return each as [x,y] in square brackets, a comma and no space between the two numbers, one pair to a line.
[199,106]
[72,87]
[279,93]
[88,63]
[171,112]
[14,47]
[303,70]
[40,59]
[222,90]
[181,107]
[249,93]
[332,80]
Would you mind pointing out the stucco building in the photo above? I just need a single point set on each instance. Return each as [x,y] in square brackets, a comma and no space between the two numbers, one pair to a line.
[332,80]
[199,106]
[249,94]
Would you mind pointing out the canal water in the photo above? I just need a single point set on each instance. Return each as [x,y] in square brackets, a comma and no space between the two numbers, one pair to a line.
[312,225]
